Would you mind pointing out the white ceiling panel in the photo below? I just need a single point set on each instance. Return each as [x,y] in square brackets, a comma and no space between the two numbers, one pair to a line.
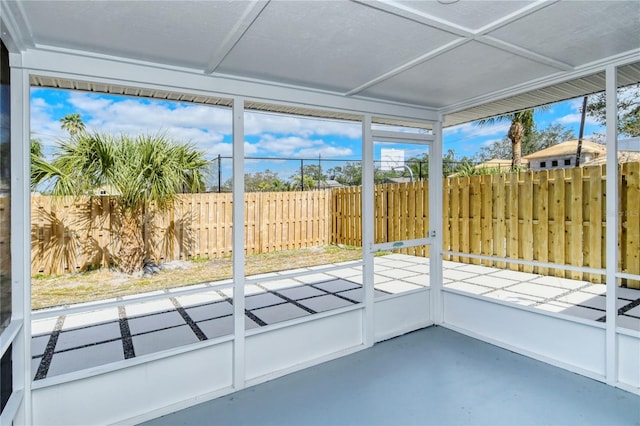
[328,45]
[577,32]
[471,15]
[445,55]
[175,33]
[478,69]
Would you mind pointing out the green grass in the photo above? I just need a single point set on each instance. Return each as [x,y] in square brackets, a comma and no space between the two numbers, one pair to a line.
[47,291]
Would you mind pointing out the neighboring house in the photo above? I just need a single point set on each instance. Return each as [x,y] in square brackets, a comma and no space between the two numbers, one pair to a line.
[623,157]
[504,165]
[330,183]
[563,155]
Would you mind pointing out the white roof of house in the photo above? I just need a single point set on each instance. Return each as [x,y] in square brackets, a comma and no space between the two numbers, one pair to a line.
[568,148]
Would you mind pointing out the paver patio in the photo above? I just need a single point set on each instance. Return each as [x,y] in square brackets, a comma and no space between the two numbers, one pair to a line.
[75,341]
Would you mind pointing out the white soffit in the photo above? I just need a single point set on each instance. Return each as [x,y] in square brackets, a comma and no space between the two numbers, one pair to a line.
[113,89]
[627,75]
[448,57]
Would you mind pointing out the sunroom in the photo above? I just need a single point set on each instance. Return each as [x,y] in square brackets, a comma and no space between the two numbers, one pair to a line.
[560,285]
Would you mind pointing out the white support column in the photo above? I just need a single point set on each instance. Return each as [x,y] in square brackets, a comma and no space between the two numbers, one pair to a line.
[21,230]
[238,245]
[612,224]
[435,223]
[367,230]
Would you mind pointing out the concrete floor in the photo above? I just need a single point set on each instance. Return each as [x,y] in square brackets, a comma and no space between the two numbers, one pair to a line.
[432,376]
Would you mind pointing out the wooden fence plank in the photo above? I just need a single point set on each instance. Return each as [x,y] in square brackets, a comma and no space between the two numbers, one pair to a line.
[446,217]
[455,217]
[595,233]
[512,234]
[630,212]
[486,198]
[499,233]
[463,220]
[525,219]
[574,242]
[475,213]
[557,212]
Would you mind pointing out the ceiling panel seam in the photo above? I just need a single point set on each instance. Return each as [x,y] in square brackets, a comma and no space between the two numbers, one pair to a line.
[480,36]
[411,14]
[249,16]
[408,65]
[515,16]
[524,53]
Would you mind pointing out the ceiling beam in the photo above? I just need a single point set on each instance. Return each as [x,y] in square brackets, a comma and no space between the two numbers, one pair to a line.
[524,53]
[466,35]
[250,14]
[414,15]
[407,65]
[515,16]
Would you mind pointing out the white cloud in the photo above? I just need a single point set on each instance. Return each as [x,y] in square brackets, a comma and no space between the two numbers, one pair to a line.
[490,142]
[257,123]
[472,130]
[326,151]
[43,126]
[575,119]
[204,126]
[142,116]
[576,104]
[296,146]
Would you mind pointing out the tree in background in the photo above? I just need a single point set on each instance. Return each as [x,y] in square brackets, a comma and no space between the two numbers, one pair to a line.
[72,123]
[310,179]
[537,140]
[266,181]
[138,170]
[348,175]
[522,125]
[628,110]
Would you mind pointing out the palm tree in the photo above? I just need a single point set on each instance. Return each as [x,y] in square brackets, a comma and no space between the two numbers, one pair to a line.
[139,170]
[72,123]
[522,125]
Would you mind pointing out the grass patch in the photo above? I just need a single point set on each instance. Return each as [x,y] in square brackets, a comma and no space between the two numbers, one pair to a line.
[47,291]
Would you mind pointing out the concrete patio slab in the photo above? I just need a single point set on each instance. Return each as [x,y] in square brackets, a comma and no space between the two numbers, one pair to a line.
[160,340]
[538,290]
[513,297]
[86,357]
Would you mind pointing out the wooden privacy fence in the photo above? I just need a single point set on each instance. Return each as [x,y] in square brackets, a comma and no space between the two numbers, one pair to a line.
[75,233]
[401,212]
[553,216]
[548,216]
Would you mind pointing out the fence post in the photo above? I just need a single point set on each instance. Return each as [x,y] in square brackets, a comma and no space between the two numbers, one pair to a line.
[219,173]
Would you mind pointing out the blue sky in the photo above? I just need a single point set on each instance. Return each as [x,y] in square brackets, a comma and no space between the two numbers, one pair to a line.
[266,135]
